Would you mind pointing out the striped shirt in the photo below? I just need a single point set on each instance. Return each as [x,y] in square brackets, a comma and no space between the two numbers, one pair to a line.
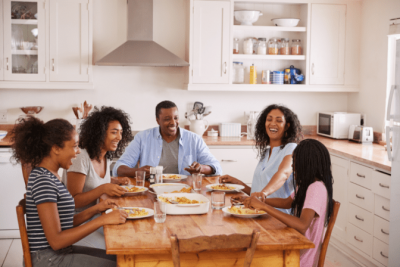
[43,186]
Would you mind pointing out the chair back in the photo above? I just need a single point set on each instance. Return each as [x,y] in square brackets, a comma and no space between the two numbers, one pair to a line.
[328,233]
[21,211]
[215,242]
[26,171]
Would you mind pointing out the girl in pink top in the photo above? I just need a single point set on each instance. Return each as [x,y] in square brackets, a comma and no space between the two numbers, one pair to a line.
[311,203]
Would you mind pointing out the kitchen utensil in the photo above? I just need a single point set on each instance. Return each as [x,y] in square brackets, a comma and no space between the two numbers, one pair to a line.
[197,106]
[247,17]
[31,110]
[199,126]
[286,22]
[362,134]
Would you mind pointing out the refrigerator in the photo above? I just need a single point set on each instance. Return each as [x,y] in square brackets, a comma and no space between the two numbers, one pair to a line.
[393,135]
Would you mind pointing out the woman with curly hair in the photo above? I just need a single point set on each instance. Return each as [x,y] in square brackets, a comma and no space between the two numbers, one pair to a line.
[278,131]
[104,134]
[52,226]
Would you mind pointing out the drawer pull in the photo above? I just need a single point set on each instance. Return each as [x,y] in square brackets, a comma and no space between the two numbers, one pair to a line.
[384,186]
[385,209]
[358,239]
[384,232]
[384,255]
[360,219]
[228,160]
[360,175]
[359,197]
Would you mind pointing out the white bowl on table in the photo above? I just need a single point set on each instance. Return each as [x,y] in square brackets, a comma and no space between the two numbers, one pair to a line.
[286,22]
[247,17]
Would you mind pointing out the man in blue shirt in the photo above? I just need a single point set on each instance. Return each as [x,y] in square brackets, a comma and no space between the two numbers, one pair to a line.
[178,150]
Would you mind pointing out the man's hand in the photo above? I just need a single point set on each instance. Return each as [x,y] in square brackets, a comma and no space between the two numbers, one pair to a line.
[146,169]
[194,168]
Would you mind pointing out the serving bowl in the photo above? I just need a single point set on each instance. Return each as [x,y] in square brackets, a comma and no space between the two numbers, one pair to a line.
[247,17]
[31,110]
[286,22]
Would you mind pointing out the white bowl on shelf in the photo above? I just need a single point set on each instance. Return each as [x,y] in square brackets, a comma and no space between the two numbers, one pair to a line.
[35,32]
[247,17]
[286,22]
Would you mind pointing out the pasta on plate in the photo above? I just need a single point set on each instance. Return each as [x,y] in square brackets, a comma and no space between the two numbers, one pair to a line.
[244,211]
[180,200]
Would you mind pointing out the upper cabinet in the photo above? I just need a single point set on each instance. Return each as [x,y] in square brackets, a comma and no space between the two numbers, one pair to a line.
[328,33]
[211,42]
[46,43]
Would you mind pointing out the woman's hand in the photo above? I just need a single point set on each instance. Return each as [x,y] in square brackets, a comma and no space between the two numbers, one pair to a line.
[106,204]
[114,190]
[253,203]
[115,217]
[227,179]
[120,180]
[262,196]
[238,199]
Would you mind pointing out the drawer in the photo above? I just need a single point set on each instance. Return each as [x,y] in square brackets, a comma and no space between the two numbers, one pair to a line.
[381,184]
[361,218]
[361,197]
[381,229]
[361,175]
[380,252]
[382,207]
[359,239]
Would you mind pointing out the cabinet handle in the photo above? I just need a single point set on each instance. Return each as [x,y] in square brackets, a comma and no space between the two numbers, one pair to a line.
[229,160]
[384,232]
[360,175]
[360,197]
[360,219]
[384,186]
[383,207]
[52,64]
[384,255]
[225,68]
[312,69]
[7,62]
[358,239]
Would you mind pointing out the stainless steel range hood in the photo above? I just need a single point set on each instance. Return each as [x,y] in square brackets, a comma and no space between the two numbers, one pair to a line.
[140,49]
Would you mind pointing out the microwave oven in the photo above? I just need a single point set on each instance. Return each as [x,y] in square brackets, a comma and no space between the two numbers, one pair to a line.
[336,124]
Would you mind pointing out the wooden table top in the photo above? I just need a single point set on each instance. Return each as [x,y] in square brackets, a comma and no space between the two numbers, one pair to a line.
[145,236]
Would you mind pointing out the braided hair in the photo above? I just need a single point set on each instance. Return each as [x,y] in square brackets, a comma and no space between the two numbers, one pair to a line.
[311,162]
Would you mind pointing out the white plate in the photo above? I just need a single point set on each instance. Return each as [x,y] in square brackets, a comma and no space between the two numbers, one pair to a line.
[150,211]
[236,186]
[168,187]
[182,177]
[225,210]
[180,209]
[134,193]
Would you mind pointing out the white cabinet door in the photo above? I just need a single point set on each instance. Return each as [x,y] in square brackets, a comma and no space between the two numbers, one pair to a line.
[211,42]
[239,163]
[24,40]
[69,40]
[327,44]
[340,169]
[1,43]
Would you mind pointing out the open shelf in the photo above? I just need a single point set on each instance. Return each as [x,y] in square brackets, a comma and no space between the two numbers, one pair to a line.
[279,57]
[24,52]
[24,21]
[268,28]
[270,88]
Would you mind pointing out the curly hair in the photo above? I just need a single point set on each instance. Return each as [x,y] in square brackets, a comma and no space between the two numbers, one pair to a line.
[33,139]
[293,133]
[93,131]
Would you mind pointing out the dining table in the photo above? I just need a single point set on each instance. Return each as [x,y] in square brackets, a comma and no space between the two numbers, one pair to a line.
[143,242]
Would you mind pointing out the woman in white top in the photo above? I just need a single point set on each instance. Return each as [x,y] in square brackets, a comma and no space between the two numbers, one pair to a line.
[104,134]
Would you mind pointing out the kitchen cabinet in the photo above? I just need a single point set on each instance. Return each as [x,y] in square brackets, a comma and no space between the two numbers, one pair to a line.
[328,30]
[1,44]
[211,42]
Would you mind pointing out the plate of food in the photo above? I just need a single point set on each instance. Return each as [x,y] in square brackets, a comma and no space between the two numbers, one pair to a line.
[225,187]
[136,212]
[242,212]
[173,177]
[133,189]
[171,188]
[185,203]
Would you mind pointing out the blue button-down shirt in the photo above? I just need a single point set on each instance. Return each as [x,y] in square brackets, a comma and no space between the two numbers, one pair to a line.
[147,147]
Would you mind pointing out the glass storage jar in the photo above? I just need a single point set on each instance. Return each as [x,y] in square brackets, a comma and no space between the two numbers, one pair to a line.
[296,47]
[235,46]
[238,72]
[285,49]
[248,46]
[273,46]
[262,46]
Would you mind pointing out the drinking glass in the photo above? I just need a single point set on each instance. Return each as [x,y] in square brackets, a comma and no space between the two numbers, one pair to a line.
[140,175]
[160,212]
[217,200]
[197,181]
[159,174]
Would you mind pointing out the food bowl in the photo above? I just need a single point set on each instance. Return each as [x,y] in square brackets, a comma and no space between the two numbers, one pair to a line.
[2,134]
[31,110]
[286,22]
[247,17]
[35,32]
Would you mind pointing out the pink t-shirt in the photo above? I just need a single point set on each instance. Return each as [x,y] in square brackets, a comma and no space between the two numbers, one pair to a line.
[316,198]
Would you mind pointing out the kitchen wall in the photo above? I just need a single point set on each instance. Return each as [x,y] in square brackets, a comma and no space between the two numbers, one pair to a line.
[371,99]
[137,90]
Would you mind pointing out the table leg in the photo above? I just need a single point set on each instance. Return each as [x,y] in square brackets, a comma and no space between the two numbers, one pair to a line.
[125,260]
[291,258]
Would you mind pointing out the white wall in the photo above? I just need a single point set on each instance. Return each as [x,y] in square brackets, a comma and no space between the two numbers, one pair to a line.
[373,68]
[137,90]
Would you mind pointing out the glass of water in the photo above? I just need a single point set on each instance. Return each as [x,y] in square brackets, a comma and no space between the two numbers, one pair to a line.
[217,200]
[160,211]
[197,181]
[159,174]
[140,176]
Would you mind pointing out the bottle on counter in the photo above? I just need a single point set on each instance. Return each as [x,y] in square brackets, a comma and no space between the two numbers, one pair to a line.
[253,74]
[153,171]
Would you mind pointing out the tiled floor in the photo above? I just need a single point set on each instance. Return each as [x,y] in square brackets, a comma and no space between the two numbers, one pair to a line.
[11,255]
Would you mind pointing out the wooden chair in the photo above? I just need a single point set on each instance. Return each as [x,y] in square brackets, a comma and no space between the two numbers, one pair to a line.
[197,244]
[328,233]
[21,211]
[26,170]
